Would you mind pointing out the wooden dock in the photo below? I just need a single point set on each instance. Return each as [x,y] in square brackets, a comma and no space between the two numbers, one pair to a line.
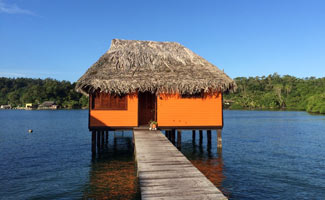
[165,173]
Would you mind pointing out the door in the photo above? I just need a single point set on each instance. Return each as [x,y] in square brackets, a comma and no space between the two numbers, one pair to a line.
[147,107]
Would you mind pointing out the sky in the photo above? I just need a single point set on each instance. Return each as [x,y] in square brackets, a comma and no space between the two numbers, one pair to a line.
[61,39]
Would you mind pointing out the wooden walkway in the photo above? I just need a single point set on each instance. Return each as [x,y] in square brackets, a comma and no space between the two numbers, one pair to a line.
[165,173]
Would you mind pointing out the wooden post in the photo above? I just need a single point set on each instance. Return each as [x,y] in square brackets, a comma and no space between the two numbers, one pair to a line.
[201,137]
[193,136]
[167,134]
[107,134]
[103,139]
[173,136]
[219,139]
[98,141]
[209,139]
[93,143]
[179,139]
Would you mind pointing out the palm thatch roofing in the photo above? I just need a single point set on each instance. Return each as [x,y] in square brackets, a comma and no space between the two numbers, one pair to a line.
[159,67]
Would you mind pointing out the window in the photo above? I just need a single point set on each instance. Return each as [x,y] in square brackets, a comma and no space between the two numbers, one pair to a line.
[195,95]
[106,101]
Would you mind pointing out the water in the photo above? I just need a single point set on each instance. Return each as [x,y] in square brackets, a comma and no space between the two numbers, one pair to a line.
[266,155]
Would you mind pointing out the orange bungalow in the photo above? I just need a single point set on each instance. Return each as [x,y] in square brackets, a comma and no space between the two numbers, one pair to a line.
[136,82]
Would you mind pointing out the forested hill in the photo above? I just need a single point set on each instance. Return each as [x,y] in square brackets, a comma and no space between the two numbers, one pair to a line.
[271,92]
[279,92]
[18,91]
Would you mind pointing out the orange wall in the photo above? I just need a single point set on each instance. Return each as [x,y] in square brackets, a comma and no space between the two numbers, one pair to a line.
[116,118]
[176,111]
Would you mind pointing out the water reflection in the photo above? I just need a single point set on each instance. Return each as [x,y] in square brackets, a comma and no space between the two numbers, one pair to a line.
[208,160]
[113,172]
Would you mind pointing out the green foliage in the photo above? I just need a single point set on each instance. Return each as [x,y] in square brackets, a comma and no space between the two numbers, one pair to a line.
[279,92]
[316,104]
[19,91]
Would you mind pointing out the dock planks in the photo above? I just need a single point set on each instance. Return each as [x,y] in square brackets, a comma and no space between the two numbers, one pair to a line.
[165,173]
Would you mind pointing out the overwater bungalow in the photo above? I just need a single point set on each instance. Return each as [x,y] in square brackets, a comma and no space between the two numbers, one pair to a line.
[136,82]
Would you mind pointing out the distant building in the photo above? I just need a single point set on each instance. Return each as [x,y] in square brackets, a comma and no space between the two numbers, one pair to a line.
[30,106]
[48,105]
[5,107]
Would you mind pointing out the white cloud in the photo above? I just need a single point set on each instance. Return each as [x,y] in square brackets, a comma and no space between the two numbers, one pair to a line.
[13,9]
[10,74]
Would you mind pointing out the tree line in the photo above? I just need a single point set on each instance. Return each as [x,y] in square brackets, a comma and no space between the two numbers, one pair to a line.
[266,92]
[278,92]
[19,91]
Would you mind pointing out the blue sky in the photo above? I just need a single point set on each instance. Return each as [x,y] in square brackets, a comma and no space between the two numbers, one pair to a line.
[61,39]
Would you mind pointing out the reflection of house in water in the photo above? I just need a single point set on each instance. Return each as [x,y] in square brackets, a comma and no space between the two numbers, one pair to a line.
[48,105]
[113,175]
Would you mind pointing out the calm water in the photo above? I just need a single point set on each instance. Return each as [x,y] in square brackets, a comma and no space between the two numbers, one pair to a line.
[266,155]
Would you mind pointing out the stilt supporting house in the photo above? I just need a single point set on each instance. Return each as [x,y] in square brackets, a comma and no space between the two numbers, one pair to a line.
[219,139]
[209,139]
[93,143]
[107,135]
[193,136]
[102,137]
[179,139]
[201,137]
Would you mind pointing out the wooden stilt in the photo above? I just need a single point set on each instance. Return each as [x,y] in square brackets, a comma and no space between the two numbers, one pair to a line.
[209,139]
[102,139]
[219,139]
[93,143]
[193,136]
[179,139]
[107,134]
[173,136]
[98,141]
[167,134]
[201,137]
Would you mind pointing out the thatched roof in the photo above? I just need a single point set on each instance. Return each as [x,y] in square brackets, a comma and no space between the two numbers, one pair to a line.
[158,67]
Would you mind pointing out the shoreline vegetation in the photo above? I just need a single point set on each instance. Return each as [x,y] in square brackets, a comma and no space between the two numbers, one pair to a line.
[272,92]
[275,92]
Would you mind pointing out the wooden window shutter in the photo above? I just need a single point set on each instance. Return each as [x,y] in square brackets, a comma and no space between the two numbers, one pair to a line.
[106,101]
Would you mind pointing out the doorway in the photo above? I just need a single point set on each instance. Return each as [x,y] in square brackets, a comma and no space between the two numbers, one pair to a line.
[147,107]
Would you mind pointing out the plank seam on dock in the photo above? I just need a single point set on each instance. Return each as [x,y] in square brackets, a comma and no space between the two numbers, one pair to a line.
[165,173]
